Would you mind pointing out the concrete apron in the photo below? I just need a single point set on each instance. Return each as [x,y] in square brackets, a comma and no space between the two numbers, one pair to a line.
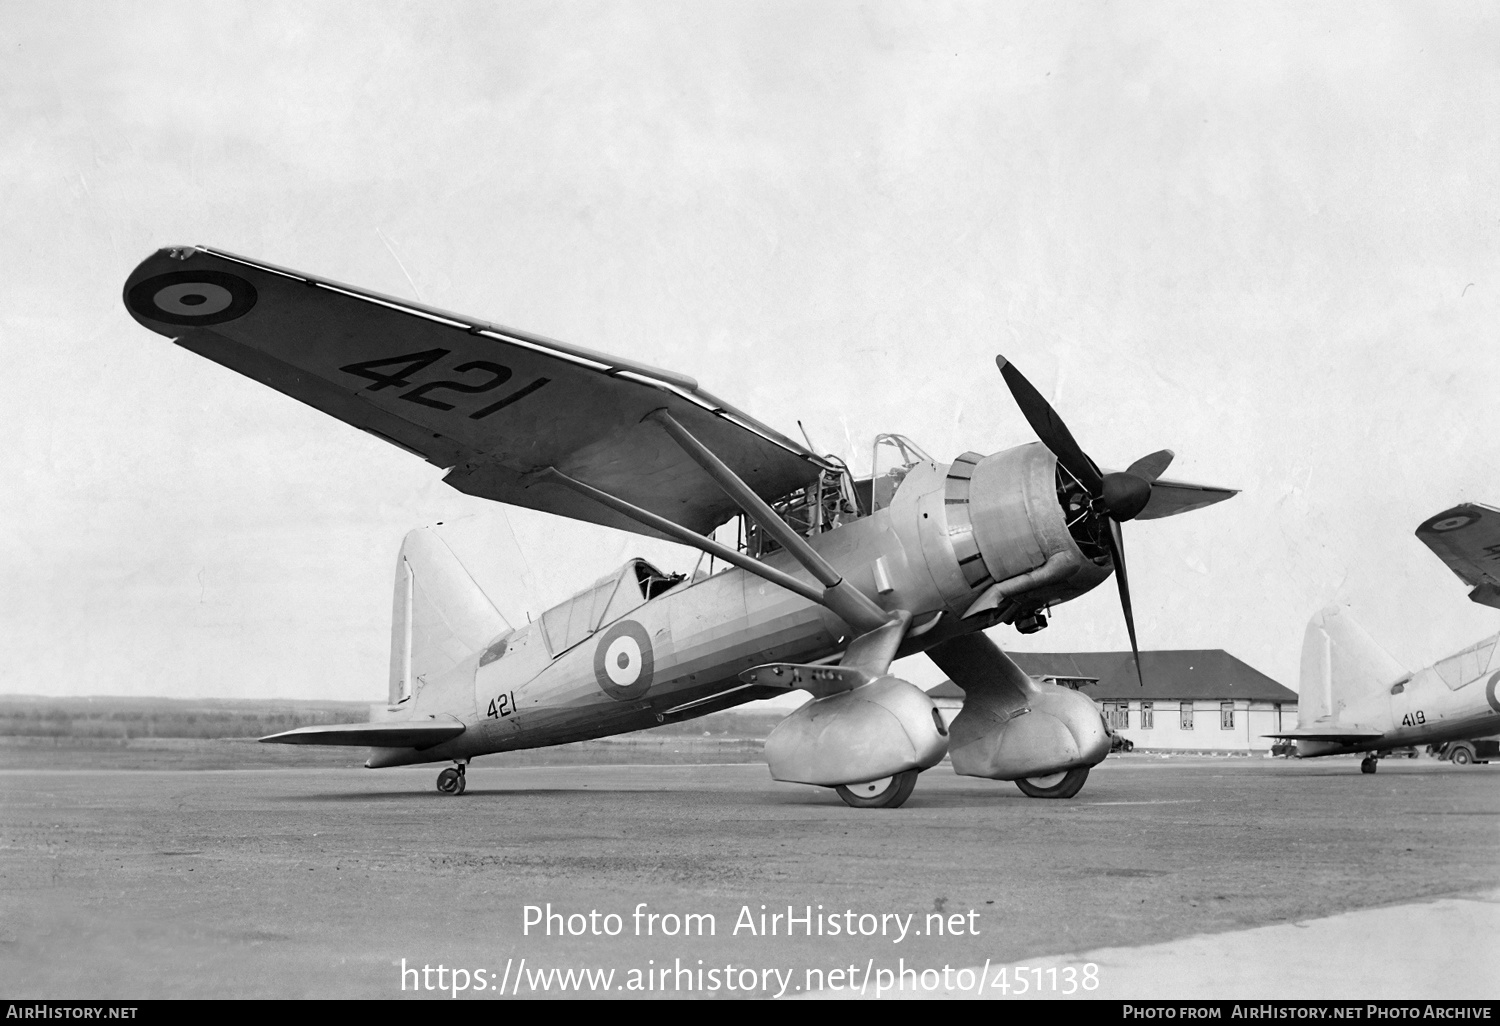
[1434,950]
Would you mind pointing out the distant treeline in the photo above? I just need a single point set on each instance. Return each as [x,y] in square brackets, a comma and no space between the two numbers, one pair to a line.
[108,717]
[124,718]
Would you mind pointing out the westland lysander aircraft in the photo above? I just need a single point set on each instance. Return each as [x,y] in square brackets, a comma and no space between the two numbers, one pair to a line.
[1355,697]
[833,577]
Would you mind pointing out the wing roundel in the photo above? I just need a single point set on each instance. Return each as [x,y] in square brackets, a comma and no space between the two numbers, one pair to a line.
[1467,539]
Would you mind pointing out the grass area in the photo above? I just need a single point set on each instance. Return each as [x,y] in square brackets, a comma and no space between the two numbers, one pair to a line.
[121,719]
[168,733]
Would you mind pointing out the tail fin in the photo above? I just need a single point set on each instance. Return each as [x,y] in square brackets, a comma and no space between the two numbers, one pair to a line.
[1340,661]
[439,616]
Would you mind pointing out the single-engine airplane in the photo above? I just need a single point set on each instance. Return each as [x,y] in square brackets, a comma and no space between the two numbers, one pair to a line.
[1354,697]
[834,577]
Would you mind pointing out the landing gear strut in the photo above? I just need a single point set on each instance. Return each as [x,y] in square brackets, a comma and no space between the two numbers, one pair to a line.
[1054,785]
[1368,764]
[885,793]
[452,780]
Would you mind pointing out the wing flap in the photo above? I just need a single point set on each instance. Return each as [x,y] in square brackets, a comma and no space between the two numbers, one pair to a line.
[390,734]
[491,404]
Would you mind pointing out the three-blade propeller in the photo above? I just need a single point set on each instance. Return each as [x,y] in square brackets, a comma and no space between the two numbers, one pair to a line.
[1113,498]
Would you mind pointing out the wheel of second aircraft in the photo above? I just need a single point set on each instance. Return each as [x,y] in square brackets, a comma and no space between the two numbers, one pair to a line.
[450,781]
[1062,784]
[885,793]
[1367,765]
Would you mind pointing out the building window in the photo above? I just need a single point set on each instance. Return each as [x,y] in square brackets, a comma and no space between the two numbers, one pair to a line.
[1226,715]
[1278,717]
[1187,715]
[1148,716]
[1117,715]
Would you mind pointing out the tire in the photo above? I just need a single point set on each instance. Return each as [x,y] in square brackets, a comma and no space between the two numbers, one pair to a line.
[450,781]
[1367,765]
[1461,756]
[1055,785]
[888,793]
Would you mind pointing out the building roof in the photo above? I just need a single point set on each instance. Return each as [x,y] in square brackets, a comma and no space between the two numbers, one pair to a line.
[1210,674]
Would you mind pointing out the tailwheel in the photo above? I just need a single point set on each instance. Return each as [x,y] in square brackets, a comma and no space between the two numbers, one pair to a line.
[885,793]
[1368,764]
[452,780]
[1062,784]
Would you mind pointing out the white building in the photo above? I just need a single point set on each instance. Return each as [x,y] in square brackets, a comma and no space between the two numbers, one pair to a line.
[1193,700]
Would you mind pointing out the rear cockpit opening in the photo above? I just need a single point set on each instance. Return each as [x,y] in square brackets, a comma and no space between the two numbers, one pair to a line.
[653,582]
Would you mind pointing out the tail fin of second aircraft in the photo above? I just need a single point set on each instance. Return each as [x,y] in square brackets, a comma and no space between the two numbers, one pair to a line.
[439,614]
[1339,662]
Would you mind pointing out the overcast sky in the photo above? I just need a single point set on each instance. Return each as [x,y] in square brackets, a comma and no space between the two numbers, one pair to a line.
[1264,236]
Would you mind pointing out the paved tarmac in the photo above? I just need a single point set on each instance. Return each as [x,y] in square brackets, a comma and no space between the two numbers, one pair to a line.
[319,882]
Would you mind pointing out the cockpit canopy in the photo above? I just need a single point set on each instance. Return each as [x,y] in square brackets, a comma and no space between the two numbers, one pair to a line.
[603,602]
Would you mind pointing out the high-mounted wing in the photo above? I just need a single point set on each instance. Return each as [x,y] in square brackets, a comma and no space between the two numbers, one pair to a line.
[1467,539]
[493,405]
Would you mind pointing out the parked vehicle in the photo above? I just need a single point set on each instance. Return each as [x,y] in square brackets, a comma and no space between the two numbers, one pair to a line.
[1463,753]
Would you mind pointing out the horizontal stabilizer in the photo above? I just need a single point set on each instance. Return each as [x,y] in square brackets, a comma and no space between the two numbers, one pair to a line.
[389,734]
[1327,735]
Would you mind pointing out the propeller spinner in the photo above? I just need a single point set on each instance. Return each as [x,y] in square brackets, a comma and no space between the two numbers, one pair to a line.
[1113,498]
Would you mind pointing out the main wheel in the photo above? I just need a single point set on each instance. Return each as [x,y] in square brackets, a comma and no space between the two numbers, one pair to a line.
[885,793]
[1367,764]
[450,781]
[1462,756]
[1062,784]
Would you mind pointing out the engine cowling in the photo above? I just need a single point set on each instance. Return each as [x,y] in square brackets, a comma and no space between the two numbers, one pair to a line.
[997,532]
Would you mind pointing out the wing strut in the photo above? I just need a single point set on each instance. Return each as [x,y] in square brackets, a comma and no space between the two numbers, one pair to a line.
[850,604]
[688,536]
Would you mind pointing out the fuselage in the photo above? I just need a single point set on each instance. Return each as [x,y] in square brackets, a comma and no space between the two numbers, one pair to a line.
[1451,700]
[613,663]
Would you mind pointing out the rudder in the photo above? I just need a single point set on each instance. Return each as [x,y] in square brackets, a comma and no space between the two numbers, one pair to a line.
[439,615]
[1340,661]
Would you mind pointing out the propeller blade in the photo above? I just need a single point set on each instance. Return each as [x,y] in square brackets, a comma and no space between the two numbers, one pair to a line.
[1116,540]
[1151,467]
[1050,429]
